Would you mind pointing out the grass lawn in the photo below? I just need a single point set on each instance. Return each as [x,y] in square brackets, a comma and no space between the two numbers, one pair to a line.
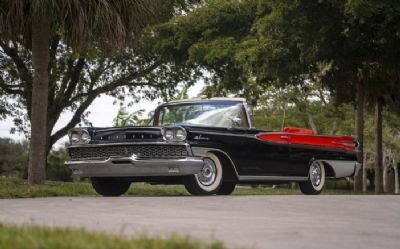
[64,238]
[18,188]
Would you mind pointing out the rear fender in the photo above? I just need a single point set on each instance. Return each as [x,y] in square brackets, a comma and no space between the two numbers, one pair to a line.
[341,168]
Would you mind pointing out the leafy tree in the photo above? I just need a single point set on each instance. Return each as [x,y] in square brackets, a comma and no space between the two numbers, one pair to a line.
[310,107]
[209,38]
[124,118]
[347,46]
[38,25]
[137,72]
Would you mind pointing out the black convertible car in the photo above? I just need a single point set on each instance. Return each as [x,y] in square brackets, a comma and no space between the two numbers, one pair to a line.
[209,145]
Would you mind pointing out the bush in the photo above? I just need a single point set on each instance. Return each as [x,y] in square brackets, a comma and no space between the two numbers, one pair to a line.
[56,169]
[13,157]
[14,161]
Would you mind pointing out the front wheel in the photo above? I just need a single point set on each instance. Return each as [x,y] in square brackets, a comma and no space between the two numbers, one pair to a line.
[226,188]
[110,186]
[316,179]
[209,180]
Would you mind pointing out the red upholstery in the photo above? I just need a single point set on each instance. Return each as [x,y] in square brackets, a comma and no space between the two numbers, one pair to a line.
[298,130]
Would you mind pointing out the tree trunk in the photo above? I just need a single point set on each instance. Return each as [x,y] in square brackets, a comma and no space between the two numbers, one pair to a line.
[311,123]
[378,146]
[358,179]
[364,173]
[385,172]
[396,178]
[40,59]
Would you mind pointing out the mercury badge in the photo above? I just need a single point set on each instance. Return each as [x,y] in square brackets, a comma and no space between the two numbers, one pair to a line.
[200,137]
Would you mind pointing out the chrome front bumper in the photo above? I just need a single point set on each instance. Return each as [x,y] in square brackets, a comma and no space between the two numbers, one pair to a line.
[130,166]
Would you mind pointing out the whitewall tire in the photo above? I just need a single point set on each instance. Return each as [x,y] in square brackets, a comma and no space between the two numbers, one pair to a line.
[209,180]
[316,179]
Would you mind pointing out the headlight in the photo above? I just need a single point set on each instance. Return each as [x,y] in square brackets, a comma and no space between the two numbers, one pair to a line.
[180,134]
[85,138]
[174,133]
[74,138]
[79,136]
[169,134]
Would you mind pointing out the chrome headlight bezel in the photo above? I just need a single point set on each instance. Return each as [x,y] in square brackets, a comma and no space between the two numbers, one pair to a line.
[180,134]
[79,136]
[174,134]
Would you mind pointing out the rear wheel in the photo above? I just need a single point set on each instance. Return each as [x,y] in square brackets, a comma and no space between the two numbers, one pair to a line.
[226,188]
[110,186]
[209,180]
[316,179]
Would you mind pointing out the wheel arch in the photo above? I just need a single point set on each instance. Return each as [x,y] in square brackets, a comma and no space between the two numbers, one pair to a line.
[230,172]
[329,171]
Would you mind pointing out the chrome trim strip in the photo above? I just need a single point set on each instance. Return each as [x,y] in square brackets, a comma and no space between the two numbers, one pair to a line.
[273,178]
[129,143]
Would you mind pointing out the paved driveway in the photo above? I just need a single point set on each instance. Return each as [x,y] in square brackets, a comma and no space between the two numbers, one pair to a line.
[250,221]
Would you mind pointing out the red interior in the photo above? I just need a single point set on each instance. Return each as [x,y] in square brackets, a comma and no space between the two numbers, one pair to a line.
[298,130]
[292,135]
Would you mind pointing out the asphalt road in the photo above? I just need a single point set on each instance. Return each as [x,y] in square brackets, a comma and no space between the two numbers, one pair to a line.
[250,221]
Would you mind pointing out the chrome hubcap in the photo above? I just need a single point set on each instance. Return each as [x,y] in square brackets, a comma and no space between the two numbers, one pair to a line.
[208,173]
[315,174]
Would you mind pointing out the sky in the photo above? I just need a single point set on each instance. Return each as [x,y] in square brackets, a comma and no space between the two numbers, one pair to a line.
[102,112]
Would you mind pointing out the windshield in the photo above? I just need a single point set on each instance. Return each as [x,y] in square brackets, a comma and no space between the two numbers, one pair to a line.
[219,114]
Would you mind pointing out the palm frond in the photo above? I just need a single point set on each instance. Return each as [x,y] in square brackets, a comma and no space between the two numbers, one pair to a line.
[81,23]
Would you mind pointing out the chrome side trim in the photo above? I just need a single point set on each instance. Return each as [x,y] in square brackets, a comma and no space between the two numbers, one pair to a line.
[343,168]
[273,178]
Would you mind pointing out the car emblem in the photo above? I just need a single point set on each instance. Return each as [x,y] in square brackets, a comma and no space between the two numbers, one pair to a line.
[200,137]
[133,157]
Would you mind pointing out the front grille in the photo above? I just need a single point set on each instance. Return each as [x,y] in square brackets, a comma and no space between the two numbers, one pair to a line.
[129,136]
[141,151]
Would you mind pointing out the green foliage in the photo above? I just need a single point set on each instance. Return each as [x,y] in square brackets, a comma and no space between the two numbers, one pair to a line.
[68,238]
[56,170]
[209,38]
[83,24]
[251,45]
[14,161]
[13,157]
[124,118]
[18,188]
[78,74]
[303,106]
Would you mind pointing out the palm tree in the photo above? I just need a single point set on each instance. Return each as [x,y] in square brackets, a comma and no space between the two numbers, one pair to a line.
[81,24]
